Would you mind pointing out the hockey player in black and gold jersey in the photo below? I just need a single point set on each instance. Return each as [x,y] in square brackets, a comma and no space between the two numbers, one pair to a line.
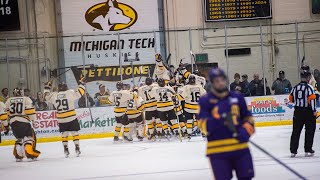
[21,114]
[64,101]
[178,109]
[191,94]
[150,107]
[120,98]
[3,119]
[134,113]
[165,96]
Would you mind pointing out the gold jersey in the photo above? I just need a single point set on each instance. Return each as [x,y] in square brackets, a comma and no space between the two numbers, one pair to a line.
[150,104]
[164,96]
[191,94]
[64,102]
[120,99]
[20,109]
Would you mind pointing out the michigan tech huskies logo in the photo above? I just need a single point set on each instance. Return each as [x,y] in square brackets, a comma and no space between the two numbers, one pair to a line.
[111,16]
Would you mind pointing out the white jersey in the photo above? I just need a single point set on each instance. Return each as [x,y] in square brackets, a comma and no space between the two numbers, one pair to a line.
[150,104]
[178,106]
[200,80]
[20,109]
[64,102]
[120,99]
[135,107]
[161,71]
[3,114]
[164,96]
[191,94]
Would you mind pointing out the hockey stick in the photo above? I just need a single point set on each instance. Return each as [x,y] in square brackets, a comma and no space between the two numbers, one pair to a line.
[194,60]
[277,160]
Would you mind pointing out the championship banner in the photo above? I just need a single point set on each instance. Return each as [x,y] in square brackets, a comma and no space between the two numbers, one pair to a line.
[113,73]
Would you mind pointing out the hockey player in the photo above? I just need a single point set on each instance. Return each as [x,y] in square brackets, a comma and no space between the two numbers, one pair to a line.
[3,119]
[64,101]
[150,107]
[178,109]
[191,94]
[134,113]
[120,98]
[161,70]
[165,97]
[199,79]
[228,122]
[21,113]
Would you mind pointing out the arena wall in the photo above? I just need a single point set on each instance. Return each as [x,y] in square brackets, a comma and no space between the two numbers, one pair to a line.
[267,111]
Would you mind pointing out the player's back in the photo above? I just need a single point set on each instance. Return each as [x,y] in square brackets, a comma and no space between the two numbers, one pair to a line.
[120,98]
[191,95]
[20,109]
[64,102]
[135,106]
[150,103]
[164,96]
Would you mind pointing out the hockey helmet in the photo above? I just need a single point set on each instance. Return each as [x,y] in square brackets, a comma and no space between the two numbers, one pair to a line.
[17,92]
[196,72]
[216,72]
[192,79]
[149,81]
[305,71]
[119,86]
[161,82]
[62,87]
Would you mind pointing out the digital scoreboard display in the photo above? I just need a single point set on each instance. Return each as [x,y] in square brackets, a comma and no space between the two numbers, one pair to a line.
[9,15]
[224,10]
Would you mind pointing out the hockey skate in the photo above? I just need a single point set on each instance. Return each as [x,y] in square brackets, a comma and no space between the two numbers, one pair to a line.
[78,152]
[293,155]
[18,159]
[66,151]
[127,139]
[168,136]
[116,139]
[309,153]
[140,138]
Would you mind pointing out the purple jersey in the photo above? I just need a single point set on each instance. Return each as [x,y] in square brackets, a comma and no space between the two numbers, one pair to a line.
[228,123]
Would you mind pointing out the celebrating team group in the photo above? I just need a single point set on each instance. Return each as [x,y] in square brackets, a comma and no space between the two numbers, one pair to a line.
[158,109]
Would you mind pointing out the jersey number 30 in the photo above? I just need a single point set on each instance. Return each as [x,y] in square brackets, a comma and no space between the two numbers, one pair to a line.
[16,108]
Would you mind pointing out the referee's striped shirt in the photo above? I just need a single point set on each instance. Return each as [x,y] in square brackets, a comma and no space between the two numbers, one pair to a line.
[303,95]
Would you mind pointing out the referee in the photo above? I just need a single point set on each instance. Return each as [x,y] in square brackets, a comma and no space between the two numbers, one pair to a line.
[304,99]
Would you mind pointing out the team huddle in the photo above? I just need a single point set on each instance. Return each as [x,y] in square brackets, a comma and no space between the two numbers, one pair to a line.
[158,109]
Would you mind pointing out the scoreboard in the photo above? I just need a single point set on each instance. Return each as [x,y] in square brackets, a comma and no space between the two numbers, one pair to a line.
[223,10]
[9,15]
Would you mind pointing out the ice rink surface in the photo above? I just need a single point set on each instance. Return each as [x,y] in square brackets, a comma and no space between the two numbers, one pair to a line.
[101,159]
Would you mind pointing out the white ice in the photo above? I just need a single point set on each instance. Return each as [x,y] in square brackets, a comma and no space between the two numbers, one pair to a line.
[101,159]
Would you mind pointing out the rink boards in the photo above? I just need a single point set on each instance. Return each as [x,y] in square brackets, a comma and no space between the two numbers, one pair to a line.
[267,110]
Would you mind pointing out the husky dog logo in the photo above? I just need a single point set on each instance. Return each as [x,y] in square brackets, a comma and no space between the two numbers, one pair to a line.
[111,16]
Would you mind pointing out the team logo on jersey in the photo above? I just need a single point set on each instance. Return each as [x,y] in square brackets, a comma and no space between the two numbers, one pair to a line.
[111,16]
[265,105]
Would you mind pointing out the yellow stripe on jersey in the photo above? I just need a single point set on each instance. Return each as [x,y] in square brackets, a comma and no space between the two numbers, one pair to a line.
[222,142]
[66,114]
[180,97]
[178,109]
[141,108]
[132,112]
[30,111]
[150,104]
[191,106]
[3,117]
[120,110]
[164,104]
[186,74]
[81,91]
[230,148]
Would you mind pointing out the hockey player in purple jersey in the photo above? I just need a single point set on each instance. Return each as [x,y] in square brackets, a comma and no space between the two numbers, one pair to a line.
[228,123]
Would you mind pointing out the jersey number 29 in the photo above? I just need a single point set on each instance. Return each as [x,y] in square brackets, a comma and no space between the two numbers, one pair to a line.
[63,103]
